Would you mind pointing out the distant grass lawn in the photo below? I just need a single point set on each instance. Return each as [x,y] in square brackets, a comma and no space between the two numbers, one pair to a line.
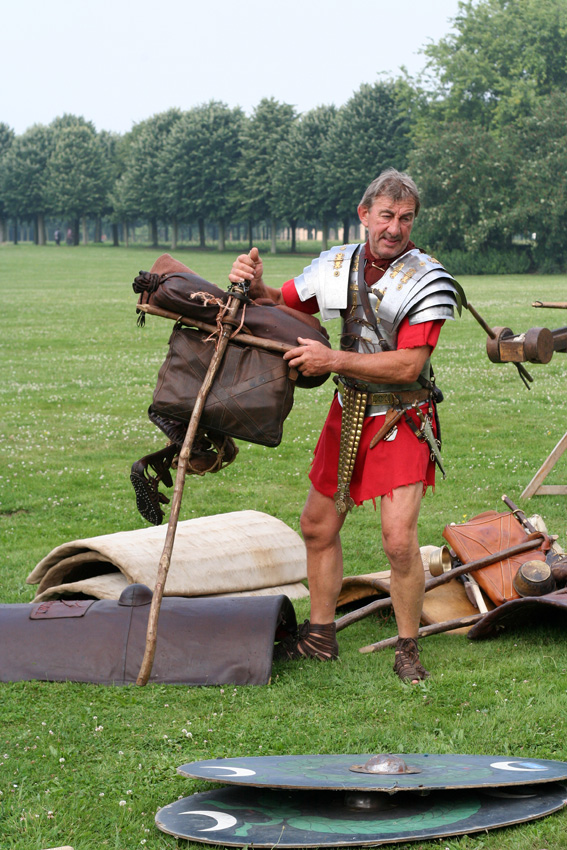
[88,766]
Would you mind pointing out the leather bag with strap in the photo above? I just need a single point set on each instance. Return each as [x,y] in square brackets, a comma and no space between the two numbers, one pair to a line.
[250,398]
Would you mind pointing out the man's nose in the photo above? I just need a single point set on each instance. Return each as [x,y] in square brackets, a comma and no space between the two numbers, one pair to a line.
[394,226]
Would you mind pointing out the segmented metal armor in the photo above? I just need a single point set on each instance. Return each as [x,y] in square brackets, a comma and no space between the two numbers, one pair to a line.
[415,286]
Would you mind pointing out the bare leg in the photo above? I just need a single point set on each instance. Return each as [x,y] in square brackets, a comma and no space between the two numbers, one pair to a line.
[401,547]
[321,528]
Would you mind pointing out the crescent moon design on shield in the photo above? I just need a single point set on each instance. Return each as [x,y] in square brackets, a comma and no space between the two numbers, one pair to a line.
[509,765]
[231,771]
[223,821]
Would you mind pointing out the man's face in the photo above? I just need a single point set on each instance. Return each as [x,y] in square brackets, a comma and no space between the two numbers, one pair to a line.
[389,225]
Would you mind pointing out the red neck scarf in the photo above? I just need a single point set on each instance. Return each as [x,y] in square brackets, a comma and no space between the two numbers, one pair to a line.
[375,266]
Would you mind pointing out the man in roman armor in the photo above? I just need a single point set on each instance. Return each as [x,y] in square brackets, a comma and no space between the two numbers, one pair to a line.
[381,435]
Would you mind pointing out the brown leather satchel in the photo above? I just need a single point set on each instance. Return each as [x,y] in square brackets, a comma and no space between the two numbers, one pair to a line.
[486,534]
[250,397]
[189,295]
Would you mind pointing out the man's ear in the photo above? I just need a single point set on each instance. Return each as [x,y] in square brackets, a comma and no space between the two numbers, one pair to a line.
[363,214]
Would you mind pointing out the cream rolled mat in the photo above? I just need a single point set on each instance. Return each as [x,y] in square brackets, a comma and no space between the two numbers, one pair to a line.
[243,552]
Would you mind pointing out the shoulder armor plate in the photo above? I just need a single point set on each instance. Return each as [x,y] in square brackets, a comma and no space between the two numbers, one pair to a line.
[410,279]
[327,278]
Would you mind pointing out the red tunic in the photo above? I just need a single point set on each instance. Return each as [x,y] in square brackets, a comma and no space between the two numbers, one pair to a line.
[390,464]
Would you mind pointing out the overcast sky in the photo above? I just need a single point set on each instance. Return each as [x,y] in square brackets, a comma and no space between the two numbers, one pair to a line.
[117,62]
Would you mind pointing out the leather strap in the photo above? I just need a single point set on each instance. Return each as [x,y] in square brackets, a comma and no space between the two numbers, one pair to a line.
[365,301]
[393,399]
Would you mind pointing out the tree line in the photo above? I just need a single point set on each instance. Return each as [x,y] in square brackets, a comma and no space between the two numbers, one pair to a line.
[481,131]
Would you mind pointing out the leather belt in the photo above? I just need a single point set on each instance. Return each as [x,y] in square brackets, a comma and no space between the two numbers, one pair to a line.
[392,399]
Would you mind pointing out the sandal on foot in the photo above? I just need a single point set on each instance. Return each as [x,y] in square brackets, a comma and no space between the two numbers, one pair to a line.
[407,665]
[146,485]
[310,641]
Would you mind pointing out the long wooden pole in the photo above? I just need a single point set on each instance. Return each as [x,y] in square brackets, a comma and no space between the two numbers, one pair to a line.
[233,304]
[244,338]
[532,542]
[424,631]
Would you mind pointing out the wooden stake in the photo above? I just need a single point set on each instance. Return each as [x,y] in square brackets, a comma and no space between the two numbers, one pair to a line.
[151,636]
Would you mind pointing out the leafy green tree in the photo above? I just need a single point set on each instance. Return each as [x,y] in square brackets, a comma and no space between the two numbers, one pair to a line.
[270,123]
[541,179]
[7,136]
[298,179]
[370,133]
[114,149]
[140,192]
[24,182]
[199,164]
[78,182]
[500,57]
[466,179]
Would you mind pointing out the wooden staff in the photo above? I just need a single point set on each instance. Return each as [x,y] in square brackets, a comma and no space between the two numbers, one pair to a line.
[424,631]
[532,542]
[520,515]
[245,338]
[232,306]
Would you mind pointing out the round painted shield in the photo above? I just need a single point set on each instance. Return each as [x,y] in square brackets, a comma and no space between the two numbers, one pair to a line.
[268,818]
[338,772]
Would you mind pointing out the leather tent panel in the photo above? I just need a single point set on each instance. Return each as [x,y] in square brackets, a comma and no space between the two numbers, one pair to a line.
[200,642]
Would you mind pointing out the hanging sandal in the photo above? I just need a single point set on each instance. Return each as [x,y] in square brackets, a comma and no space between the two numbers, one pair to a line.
[310,641]
[146,485]
[407,665]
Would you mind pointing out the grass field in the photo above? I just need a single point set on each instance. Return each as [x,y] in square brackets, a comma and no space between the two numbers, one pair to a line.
[88,766]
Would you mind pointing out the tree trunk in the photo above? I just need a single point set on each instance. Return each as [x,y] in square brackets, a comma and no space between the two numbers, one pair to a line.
[346,228]
[115,239]
[250,245]
[3,229]
[98,229]
[85,232]
[201,223]
[174,234]
[293,227]
[153,233]
[126,234]
[41,234]
[325,234]
[16,230]
[222,234]
[76,232]
[273,227]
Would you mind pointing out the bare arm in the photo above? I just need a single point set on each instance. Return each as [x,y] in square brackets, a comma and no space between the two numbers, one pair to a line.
[388,367]
[250,267]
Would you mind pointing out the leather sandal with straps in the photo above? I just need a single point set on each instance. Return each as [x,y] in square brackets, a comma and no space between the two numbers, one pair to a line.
[310,641]
[407,665]
[146,485]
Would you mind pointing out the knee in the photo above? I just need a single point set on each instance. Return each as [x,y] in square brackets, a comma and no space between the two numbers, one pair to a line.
[311,526]
[400,550]
[316,530]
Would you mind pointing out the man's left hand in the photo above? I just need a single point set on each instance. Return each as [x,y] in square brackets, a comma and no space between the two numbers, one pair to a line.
[311,357]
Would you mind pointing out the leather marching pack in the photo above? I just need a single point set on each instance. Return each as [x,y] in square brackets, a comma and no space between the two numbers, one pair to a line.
[188,295]
[486,534]
[250,398]
[252,393]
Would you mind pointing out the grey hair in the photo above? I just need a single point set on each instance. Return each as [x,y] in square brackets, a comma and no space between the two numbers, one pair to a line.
[395,185]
